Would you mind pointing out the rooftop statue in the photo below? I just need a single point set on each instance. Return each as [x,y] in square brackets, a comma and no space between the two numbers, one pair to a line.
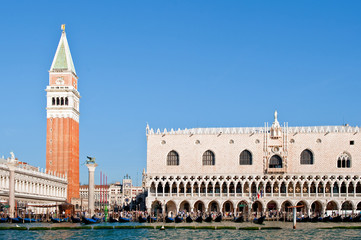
[12,156]
[90,160]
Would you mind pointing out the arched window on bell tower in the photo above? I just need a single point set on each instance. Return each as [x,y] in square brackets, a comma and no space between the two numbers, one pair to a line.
[66,101]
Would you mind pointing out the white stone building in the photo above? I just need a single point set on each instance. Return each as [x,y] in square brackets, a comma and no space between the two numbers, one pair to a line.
[254,169]
[35,188]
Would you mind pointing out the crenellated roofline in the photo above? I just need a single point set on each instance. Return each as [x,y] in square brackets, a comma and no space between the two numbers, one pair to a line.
[252,130]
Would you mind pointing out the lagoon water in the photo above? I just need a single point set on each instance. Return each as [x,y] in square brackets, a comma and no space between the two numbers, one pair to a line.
[183,234]
[286,232]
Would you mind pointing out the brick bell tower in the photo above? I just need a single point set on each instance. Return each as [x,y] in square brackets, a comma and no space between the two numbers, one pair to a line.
[62,136]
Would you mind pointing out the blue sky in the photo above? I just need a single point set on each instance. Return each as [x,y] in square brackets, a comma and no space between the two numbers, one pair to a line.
[176,64]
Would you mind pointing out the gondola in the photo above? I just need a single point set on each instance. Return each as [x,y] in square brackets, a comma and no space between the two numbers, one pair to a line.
[142,219]
[55,220]
[29,220]
[178,219]
[314,219]
[98,219]
[111,219]
[189,219]
[3,220]
[357,218]
[327,219]
[16,220]
[218,218]
[75,219]
[86,220]
[208,219]
[58,220]
[199,219]
[123,219]
[259,220]
[306,219]
[239,219]
[151,219]
[337,219]
[169,219]
[347,219]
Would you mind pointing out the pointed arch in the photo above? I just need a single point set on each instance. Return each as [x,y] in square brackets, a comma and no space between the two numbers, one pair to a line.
[344,160]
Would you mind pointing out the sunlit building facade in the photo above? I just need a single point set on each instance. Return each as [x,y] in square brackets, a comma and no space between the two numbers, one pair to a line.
[254,169]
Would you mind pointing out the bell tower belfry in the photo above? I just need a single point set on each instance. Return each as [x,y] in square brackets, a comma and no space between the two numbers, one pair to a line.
[62,136]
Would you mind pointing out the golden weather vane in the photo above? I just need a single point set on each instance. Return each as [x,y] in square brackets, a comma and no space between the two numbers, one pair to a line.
[63,27]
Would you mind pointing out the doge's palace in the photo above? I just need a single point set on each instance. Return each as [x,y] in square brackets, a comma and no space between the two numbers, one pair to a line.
[256,169]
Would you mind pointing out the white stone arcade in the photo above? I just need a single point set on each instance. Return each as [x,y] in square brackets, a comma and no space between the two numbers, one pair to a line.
[254,169]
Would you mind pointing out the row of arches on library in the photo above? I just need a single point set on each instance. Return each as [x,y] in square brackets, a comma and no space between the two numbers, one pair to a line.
[244,206]
[60,101]
[245,158]
[321,188]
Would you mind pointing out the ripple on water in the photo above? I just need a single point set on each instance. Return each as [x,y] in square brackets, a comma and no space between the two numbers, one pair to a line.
[184,234]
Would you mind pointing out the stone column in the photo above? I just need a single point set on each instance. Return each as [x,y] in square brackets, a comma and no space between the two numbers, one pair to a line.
[12,166]
[91,168]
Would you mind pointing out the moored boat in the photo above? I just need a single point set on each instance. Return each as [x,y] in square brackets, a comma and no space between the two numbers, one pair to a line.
[86,220]
[337,219]
[178,219]
[16,220]
[208,219]
[169,219]
[98,219]
[75,219]
[199,219]
[151,219]
[239,219]
[189,219]
[259,220]
[123,219]
[218,218]
[111,219]
[142,219]
[29,220]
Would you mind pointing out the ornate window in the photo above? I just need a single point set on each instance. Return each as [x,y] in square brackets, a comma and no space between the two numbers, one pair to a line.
[208,158]
[306,157]
[66,101]
[275,162]
[245,158]
[344,160]
[172,158]
[53,101]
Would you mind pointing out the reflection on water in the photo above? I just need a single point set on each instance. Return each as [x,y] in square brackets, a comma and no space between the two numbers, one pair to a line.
[184,234]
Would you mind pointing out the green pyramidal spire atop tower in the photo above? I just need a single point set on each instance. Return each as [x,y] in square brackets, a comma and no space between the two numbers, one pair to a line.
[62,60]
